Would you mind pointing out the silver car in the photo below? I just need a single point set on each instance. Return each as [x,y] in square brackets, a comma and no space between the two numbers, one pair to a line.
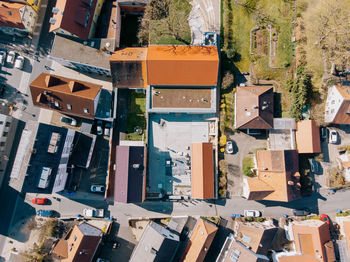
[11,57]
[19,62]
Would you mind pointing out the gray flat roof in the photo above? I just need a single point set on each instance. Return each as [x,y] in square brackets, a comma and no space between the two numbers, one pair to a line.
[78,52]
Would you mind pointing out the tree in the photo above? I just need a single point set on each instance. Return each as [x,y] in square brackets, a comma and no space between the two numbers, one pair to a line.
[328,27]
[165,17]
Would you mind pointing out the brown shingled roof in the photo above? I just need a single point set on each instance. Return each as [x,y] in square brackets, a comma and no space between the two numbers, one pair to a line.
[254,107]
[48,89]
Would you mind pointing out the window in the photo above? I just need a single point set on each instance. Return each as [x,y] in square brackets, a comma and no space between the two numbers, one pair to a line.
[69,106]
[2,144]
[75,238]
[86,111]
[8,124]
[1,122]
[57,104]
[4,133]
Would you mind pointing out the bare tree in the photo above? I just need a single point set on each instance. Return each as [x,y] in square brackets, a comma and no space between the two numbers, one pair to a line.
[164,17]
[328,27]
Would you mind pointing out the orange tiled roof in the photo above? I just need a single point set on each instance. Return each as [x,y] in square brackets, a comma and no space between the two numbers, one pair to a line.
[347,232]
[183,65]
[277,170]
[200,241]
[298,258]
[308,137]
[311,238]
[202,170]
[10,15]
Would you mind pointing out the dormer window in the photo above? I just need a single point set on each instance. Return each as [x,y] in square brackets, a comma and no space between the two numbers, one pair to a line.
[86,111]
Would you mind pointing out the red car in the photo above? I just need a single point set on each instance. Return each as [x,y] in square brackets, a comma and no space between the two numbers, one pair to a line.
[325,218]
[40,200]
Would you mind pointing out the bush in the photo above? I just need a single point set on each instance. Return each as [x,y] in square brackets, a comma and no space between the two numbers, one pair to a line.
[227,80]
[222,192]
[223,167]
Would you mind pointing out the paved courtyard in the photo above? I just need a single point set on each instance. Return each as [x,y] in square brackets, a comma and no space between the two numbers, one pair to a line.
[170,139]
[243,144]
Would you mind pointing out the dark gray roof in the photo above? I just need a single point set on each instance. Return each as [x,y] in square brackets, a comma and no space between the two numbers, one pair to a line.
[156,244]
[129,175]
[81,152]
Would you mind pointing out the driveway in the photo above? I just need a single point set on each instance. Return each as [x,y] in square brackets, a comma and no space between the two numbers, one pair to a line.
[330,153]
[243,144]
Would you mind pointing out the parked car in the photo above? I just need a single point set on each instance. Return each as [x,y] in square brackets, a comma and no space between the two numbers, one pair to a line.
[44,213]
[333,136]
[91,212]
[69,121]
[301,212]
[107,129]
[229,147]
[11,57]
[324,133]
[19,62]
[252,213]
[97,188]
[40,201]
[99,127]
[236,215]
[2,57]
[313,165]
[326,219]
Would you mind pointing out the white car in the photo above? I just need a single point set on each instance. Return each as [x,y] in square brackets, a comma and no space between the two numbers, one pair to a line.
[229,147]
[19,62]
[2,57]
[252,213]
[107,129]
[11,57]
[97,188]
[333,136]
[69,121]
[99,127]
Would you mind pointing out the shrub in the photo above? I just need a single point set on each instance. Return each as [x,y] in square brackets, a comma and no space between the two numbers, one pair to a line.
[227,80]
[222,192]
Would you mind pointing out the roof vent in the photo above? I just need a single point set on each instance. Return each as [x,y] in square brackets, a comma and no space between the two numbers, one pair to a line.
[55,10]
[92,44]
[291,183]
[52,20]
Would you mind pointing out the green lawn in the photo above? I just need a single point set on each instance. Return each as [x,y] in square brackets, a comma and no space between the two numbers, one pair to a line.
[248,164]
[280,13]
[136,115]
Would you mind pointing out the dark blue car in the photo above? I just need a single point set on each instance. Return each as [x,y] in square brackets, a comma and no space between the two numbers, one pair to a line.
[44,213]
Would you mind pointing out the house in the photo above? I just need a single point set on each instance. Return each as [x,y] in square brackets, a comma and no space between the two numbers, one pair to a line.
[90,56]
[344,241]
[68,96]
[8,126]
[17,19]
[76,17]
[200,241]
[256,236]
[338,104]
[277,179]
[234,250]
[177,78]
[157,244]
[202,171]
[54,152]
[344,165]
[311,242]
[130,176]
[308,137]
[79,245]
[254,107]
